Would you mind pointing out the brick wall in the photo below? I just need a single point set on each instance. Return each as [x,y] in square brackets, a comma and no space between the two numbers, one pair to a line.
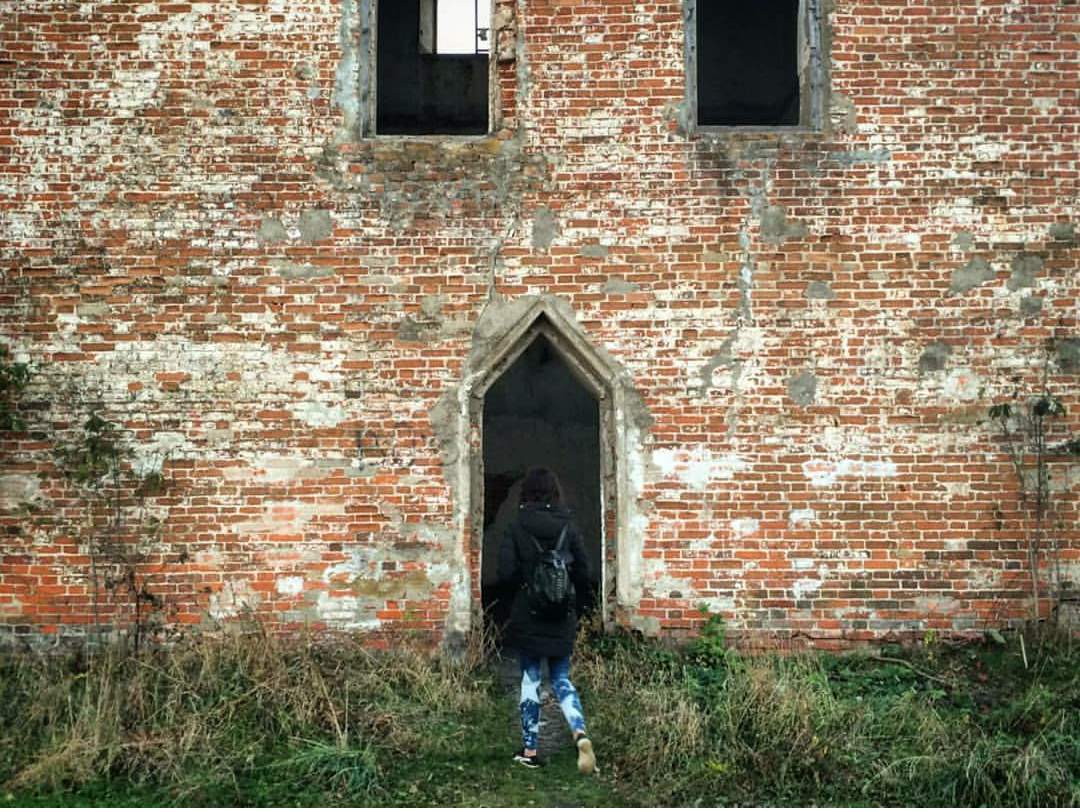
[284,316]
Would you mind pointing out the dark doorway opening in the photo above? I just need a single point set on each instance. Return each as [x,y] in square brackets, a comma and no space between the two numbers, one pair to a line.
[538,413]
[747,63]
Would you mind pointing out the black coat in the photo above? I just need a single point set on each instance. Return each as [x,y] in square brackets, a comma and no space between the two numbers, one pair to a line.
[517,557]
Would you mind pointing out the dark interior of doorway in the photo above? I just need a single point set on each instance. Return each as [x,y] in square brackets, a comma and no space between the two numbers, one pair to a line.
[538,414]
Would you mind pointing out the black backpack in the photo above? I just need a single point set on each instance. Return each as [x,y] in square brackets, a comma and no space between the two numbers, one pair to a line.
[550,588]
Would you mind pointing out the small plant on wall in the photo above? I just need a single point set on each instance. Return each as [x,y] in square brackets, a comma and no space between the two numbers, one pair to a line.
[1035,435]
[121,531]
[14,378]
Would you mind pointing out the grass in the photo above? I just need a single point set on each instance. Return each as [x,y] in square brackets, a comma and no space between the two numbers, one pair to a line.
[252,720]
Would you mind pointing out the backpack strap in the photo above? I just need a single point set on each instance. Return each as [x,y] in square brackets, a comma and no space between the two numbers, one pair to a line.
[562,537]
[558,544]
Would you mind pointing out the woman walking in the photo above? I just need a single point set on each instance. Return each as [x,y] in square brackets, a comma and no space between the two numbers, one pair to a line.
[542,524]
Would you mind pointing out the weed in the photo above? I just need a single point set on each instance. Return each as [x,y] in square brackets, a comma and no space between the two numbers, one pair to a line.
[710,648]
[1027,426]
[121,529]
[337,765]
[14,378]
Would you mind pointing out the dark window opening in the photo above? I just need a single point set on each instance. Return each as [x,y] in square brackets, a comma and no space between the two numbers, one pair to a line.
[747,63]
[431,75]
[537,413]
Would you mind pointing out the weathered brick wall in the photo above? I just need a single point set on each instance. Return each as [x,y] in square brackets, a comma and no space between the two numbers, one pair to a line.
[285,317]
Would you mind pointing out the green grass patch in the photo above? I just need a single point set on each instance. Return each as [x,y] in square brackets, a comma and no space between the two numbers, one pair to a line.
[252,720]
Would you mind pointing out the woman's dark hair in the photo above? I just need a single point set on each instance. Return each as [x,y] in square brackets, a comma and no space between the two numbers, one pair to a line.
[540,485]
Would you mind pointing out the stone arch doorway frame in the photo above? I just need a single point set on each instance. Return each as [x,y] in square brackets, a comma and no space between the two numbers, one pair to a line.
[505,331]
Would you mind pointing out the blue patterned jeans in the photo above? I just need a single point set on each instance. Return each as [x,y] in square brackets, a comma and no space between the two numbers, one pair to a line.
[565,692]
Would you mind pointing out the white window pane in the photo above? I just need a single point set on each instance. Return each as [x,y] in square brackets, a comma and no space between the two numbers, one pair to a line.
[483,25]
[457,27]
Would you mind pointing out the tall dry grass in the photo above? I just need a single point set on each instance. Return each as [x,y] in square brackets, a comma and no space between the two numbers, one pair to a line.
[201,711]
[701,726]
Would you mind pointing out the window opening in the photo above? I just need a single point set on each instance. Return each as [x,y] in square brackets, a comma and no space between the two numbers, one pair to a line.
[432,67]
[755,64]
[747,71]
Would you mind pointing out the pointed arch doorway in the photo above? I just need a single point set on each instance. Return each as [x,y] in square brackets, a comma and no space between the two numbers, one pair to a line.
[538,414]
[544,398]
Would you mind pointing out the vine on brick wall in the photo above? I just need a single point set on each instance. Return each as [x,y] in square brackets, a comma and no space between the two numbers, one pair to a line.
[1029,425]
[14,378]
[122,533]
[120,528]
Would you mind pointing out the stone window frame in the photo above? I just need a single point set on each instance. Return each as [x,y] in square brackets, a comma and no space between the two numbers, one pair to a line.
[813,64]
[356,89]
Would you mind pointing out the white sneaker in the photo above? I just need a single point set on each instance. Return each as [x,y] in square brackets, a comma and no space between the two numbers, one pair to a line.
[586,759]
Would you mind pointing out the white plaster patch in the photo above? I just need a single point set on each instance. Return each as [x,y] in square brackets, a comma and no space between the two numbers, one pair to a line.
[962,384]
[937,605]
[319,415]
[1069,616]
[1069,481]
[664,585]
[150,457]
[990,152]
[667,230]
[844,555]
[290,584]
[339,608]
[746,275]
[18,489]
[211,559]
[355,566]
[719,604]
[343,611]
[802,563]
[697,465]
[135,89]
[805,586]
[804,515]
[827,472]
[961,211]
[745,527]
[600,121]
[271,469]
[234,597]
[982,579]
[957,489]
[1070,571]
[288,517]
[913,241]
